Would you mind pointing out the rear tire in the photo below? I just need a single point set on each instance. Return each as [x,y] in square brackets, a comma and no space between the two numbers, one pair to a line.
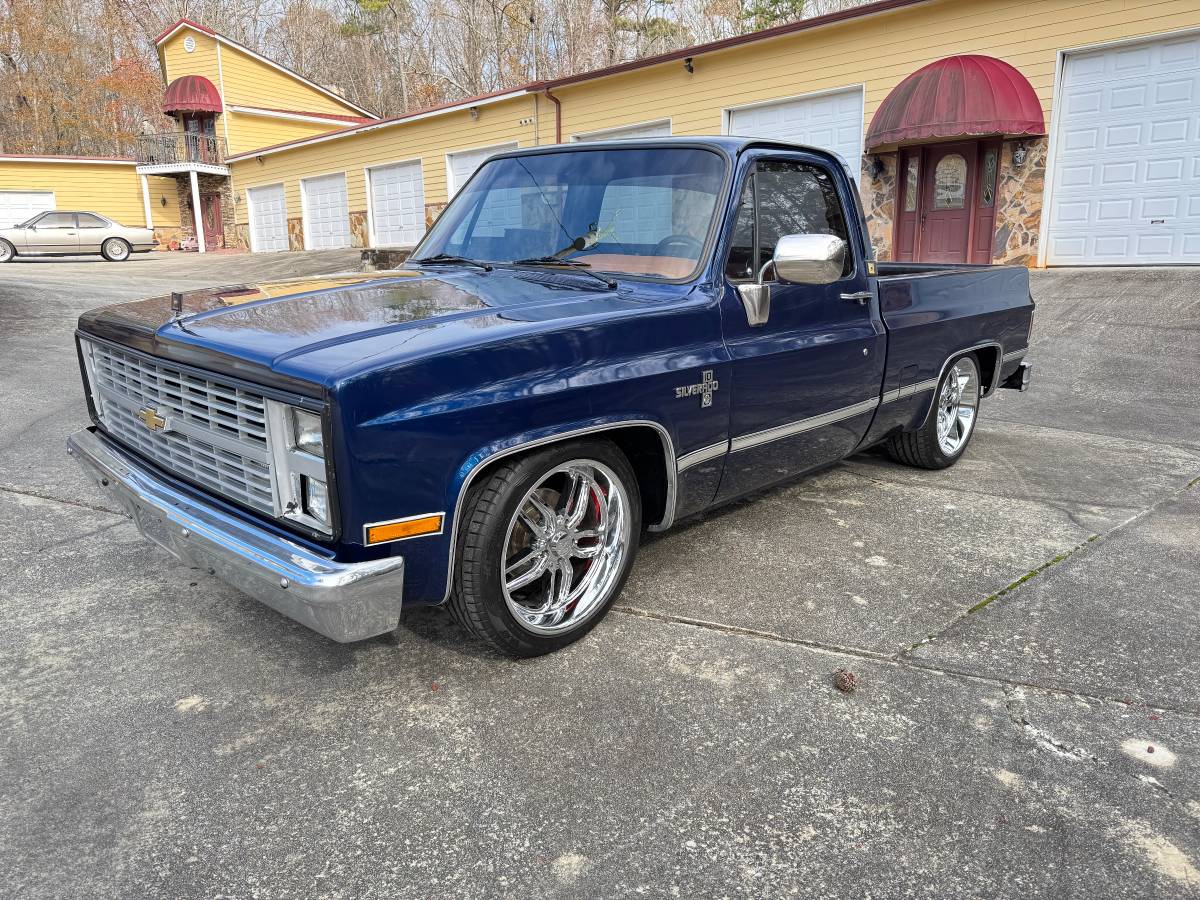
[115,250]
[941,441]
[545,544]
[7,251]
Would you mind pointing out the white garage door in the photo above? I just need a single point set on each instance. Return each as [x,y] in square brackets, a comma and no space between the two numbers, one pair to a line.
[1126,180]
[397,205]
[832,121]
[268,218]
[326,212]
[17,206]
[461,166]
[661,128]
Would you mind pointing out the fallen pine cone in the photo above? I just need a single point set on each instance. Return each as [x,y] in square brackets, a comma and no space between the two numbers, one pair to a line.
[844,681]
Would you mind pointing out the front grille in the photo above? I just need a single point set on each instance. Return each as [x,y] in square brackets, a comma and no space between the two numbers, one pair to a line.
[215,434]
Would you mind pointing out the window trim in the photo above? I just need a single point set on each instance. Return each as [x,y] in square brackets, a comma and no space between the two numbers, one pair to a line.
[752,177]
[714,236]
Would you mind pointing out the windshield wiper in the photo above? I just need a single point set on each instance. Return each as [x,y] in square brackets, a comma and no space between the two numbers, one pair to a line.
[554,261]
[450,259]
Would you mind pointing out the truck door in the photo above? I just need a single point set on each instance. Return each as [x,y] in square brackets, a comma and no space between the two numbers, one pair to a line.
[806,382]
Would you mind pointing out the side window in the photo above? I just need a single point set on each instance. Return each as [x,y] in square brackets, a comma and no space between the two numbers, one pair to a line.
[740,264]
[87,220]
[796,198]
[56,220]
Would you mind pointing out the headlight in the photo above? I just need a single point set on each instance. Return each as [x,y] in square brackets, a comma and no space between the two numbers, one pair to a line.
[307,433]
[298,465]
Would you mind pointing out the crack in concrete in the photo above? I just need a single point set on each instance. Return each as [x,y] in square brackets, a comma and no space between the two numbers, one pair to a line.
[1056,560]
[1014,697]
[35,495]
[894,660]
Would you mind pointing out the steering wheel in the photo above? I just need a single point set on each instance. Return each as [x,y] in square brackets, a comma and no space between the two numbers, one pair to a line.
[691,247]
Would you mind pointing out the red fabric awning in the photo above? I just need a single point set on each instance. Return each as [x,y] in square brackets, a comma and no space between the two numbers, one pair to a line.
[958,96]
[191,93]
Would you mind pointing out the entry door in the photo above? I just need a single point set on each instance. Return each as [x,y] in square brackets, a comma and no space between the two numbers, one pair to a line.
[946,203]
[210,217]
[806,383]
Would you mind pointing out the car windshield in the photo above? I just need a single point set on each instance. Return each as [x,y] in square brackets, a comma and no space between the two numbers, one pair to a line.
[636,211]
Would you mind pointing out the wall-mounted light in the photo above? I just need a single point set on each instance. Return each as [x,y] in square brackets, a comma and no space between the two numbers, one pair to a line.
[474,112]
[162,198]
[877,167]
[1019,155]
[687,65]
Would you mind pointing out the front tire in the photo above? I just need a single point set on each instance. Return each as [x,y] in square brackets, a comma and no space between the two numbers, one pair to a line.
[546,543]
[115,250]
[7,251]
[943,438]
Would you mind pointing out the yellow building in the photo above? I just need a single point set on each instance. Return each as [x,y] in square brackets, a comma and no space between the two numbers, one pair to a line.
[1060,132]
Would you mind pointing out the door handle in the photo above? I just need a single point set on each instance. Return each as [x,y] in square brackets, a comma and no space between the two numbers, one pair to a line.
[862,298]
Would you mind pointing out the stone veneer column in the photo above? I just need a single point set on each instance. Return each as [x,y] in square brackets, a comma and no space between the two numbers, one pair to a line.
[1019,197]
[879,202]
[296,233]
[358,228]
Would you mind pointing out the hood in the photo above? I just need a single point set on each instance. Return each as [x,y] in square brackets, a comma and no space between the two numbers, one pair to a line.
[317,330]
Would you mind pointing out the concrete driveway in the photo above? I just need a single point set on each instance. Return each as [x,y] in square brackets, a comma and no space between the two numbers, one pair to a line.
[1024,627]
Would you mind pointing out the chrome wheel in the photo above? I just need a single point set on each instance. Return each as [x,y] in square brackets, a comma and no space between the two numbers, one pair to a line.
[6,251]
[958,403]
[115,249]
[565,546]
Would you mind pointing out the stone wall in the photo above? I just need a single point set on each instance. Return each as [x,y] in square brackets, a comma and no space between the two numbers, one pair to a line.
[358,228]
[296,233]
[879,201]
[1019,203]
[432,211]
[208,184]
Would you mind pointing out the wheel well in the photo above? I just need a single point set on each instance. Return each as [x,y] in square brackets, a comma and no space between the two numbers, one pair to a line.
[988,358]
[644,448]
[642,445]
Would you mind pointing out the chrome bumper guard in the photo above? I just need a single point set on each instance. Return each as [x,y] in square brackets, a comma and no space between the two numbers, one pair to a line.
[343,601]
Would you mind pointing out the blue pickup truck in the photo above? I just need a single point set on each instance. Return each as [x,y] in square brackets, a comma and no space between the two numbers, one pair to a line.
[591,340]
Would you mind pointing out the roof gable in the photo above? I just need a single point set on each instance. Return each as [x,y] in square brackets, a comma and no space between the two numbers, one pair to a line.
[187,24]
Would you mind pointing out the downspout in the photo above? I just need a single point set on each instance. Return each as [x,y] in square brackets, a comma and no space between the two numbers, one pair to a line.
[557,115]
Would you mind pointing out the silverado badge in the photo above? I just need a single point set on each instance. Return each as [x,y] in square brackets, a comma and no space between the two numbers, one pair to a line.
[705,389]
[151,419]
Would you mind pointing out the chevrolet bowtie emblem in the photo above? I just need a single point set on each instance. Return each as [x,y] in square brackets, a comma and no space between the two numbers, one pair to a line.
[704,389]
[151,419]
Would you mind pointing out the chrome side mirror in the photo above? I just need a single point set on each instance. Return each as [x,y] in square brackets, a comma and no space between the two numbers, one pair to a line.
[800,259]
[810,258]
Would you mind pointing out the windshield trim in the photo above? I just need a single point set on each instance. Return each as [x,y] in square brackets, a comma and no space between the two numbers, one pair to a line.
[714,225]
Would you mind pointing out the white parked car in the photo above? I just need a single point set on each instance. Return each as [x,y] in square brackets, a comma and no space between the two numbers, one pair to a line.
[62,233]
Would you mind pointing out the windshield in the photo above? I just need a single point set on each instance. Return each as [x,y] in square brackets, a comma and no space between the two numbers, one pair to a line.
[632,212]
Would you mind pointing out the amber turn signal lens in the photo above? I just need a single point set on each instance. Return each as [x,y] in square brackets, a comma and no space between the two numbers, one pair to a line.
[406,528]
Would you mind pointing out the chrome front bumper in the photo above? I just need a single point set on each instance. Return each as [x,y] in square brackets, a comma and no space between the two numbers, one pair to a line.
[343,601]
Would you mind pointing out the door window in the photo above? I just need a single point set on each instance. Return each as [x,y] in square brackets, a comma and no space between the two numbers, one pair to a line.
[87,220]
[796,198]
[987,193]
[912,171]
[740,265]
[950,182]
[57,220]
